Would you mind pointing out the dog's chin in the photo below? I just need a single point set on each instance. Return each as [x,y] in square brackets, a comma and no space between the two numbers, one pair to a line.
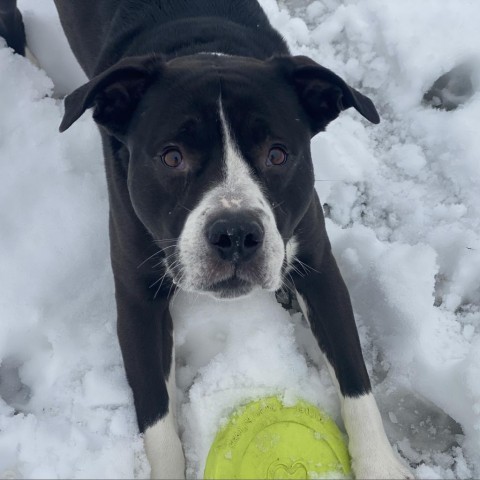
[230,285]
[231,288]
[228,289]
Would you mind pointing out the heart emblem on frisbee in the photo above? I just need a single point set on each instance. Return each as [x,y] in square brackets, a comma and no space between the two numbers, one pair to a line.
[295,471]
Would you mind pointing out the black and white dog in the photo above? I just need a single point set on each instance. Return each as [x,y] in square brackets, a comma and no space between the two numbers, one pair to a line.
[206,121]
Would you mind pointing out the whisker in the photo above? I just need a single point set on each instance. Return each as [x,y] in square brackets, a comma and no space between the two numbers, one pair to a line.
[165,260]
[161,283]
[297,270]
[177,290]
[292,287]
[156,281]
[305,266]
[151,256]
[170,289]
[163,240]
[161,262]
[276,205]
[169,246]
[173,265]
[183,206]
[165,273]
[279,206]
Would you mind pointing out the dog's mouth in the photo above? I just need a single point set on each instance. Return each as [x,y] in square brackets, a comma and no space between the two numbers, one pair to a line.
[230,282]
[225,280]
[232,287]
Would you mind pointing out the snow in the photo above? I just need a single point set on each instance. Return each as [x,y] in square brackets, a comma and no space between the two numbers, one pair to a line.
[404,206]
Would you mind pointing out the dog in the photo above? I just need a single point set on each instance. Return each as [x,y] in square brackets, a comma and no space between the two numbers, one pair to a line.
[206,120]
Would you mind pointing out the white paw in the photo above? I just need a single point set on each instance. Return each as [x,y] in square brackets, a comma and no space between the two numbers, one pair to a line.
[164,450]
[381,468]
[372,455]
[170,466]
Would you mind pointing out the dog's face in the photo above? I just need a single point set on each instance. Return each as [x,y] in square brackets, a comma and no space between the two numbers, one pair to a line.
[217,146]
[219,168]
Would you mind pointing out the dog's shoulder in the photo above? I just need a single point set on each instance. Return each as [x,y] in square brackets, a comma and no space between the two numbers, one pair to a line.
[180,28]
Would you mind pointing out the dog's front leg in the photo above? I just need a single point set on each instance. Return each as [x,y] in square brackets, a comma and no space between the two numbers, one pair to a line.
[325,302]
[145,335]
[11,26]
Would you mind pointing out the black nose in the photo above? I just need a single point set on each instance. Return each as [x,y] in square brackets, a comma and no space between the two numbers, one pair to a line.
[236,238]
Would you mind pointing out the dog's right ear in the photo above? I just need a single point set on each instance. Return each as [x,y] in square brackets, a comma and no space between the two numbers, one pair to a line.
[322,93]
[114,94]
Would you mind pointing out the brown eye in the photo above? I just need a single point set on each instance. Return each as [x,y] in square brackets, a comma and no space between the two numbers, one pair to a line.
[276,156]
[172,158]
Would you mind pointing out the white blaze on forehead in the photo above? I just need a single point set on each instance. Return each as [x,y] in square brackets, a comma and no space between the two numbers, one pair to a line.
[244,191]
[238,182]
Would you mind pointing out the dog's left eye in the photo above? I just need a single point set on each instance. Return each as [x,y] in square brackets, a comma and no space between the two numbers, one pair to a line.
[276,156]
[172,158]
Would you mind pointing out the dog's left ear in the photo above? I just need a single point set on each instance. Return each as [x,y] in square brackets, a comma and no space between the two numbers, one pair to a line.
[114,94]
[322,93]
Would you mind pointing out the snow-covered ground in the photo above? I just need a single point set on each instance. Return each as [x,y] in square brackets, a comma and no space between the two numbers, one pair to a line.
[404,205]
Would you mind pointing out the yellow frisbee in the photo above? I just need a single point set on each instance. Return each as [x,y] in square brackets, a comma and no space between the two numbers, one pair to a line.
[268,440]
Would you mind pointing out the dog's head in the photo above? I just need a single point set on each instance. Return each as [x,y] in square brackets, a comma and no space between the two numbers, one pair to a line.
[219,168]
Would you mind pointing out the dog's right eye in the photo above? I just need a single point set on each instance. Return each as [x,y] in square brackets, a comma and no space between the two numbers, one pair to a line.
[172,158]
[276,156]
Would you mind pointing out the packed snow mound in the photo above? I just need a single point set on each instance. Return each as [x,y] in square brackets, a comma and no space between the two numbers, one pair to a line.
[403,200]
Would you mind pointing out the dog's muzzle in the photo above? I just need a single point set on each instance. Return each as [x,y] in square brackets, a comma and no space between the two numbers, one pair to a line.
[230,243]
[229,252]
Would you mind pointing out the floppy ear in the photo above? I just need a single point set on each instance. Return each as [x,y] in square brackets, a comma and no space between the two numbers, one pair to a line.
[322,93]
[114,93]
